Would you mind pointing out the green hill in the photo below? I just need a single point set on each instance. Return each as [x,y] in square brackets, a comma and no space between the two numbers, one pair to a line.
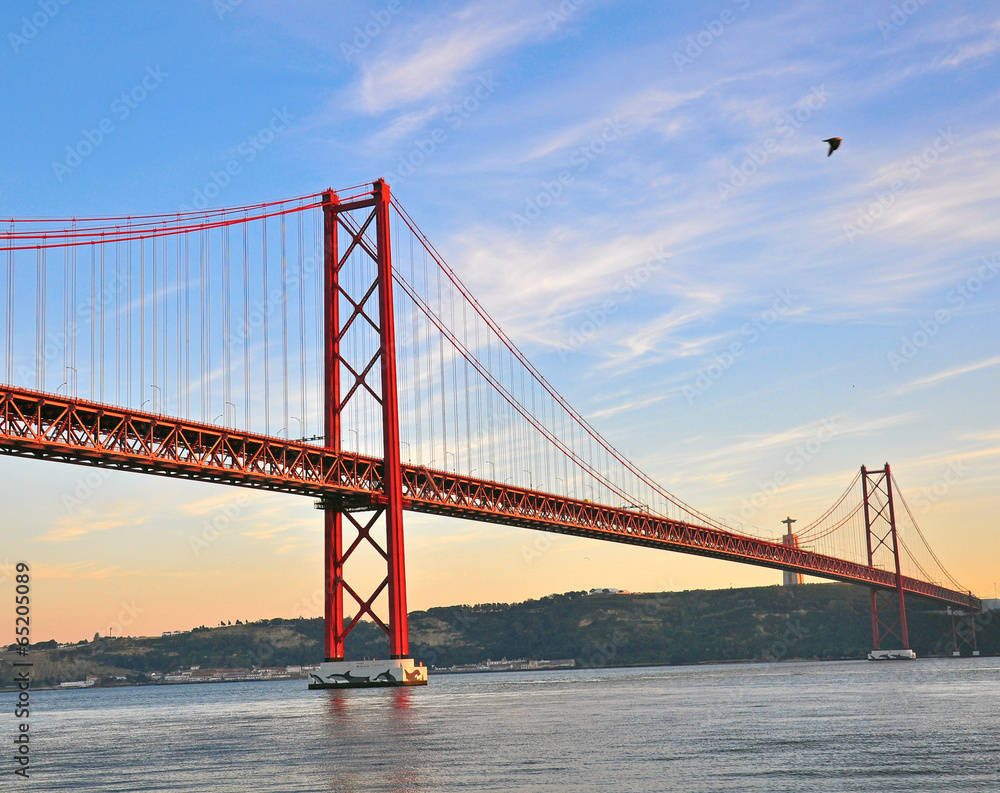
[818,621]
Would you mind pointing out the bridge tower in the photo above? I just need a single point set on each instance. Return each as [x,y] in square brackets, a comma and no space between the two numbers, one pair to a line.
[963,631]
[358,304]
[888,606]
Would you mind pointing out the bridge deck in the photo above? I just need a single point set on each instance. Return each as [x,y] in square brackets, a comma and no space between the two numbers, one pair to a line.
[53,427]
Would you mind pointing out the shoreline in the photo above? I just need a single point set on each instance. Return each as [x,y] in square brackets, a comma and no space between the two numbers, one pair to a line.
[448,672]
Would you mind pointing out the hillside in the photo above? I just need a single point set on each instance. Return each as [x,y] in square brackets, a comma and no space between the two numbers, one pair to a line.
[819,621]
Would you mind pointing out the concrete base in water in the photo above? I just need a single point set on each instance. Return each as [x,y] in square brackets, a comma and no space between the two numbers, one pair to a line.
[368,674]
[891,655]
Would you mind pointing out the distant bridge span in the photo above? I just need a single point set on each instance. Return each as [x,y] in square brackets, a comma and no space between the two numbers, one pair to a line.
[50,427]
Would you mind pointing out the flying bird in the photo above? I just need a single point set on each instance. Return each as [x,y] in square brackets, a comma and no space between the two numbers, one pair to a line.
[834,145]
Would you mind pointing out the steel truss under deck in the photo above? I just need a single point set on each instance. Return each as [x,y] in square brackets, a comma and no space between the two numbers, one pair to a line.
[53,427]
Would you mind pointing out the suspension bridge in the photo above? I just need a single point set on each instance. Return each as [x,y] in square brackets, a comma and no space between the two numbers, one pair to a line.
[321,346]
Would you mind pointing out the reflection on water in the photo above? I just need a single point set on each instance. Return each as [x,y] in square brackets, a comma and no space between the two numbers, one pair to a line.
[370,742]
[927,726]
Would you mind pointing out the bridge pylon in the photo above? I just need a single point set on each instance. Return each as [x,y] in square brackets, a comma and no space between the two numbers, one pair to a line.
[888,606]
[360,375]
[963,631]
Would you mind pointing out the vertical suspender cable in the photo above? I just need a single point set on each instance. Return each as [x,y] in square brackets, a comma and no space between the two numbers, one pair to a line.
[417,385]
[118,314]
[480,439]
[444,382]
[468,394]
[207,341]
[187,324]
[128,320]
[101,303]
[284,332]
[266,303]
[303,389]
[67,339]
[431,440]
[153,394]
[93,316]
[246,323]
[201,320]
[318,298]
[490,415]
[533,458]
[73,328]
[178,301]
[405,381]
[165,382]
[227,385]
[9,345]
[142,321]
[38,319]
[454,378]
[41,340]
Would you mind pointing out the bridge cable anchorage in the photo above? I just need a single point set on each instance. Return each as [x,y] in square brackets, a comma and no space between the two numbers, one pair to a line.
[422,401]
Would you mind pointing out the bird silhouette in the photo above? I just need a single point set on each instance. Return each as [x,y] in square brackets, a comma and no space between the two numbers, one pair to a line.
[834,145]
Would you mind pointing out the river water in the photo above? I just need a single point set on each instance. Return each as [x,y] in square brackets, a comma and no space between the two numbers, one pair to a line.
[928,725]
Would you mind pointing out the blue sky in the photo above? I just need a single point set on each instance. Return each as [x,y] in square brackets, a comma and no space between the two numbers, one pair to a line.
[631,190]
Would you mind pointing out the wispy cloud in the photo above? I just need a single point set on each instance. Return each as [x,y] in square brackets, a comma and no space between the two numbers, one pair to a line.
[77,526]
[269,533]
[753,448]
[77,571]
[626,406]
[948,374]
[445,52]
[94,571]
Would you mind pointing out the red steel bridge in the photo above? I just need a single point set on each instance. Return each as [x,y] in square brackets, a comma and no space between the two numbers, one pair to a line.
[192,345]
